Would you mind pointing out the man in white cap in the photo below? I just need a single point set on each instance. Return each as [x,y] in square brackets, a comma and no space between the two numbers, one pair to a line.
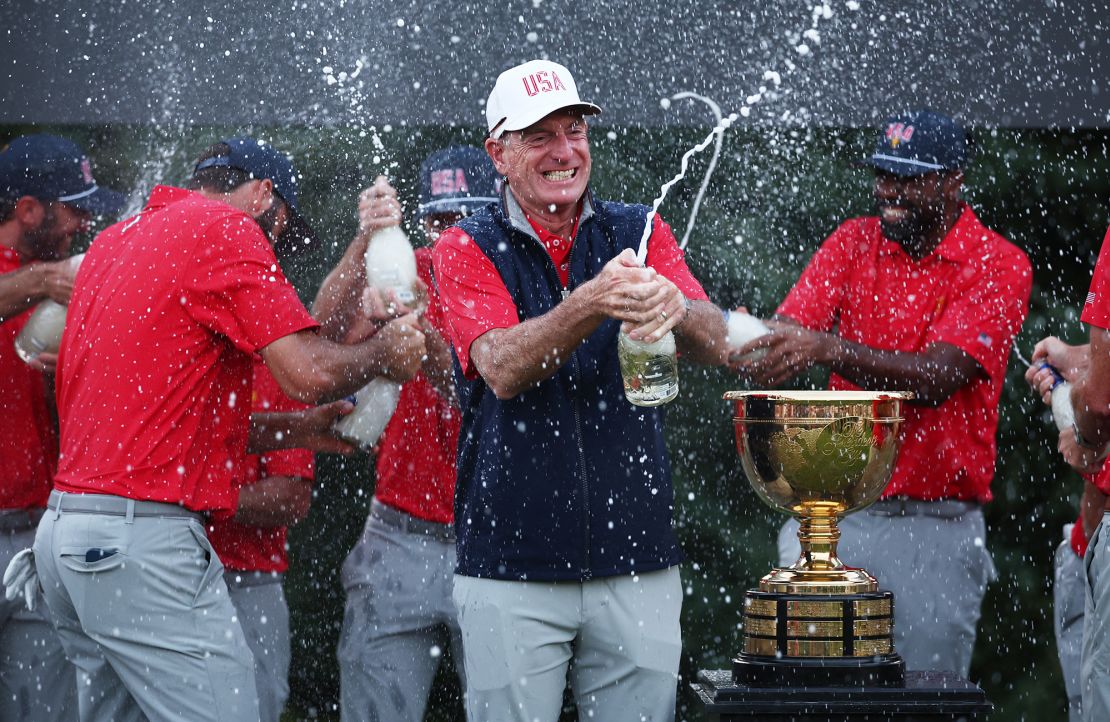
[564,501]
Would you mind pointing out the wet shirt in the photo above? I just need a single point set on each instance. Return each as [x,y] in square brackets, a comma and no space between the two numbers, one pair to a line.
[416,454]
[1096,309]
[476,299]
[28,446]
[243,547]
[154,379]
[972,292]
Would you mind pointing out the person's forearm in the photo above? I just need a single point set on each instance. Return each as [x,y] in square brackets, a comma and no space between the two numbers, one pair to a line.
[339,296]
[274,501]
[512,360]
[932,377]
[701,337]
[21,289]
[438,367]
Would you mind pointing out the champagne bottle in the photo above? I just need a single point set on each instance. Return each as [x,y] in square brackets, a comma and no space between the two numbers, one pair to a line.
[744,328]
[390,266]
[43,331]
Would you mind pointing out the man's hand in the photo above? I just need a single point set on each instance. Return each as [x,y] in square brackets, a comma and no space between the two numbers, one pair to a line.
[311,428]
[649,304]
[45,362]
[1085,461]
[1071,362]
[58,280]
[378,208]
[789,350]
[383,307]
[401,348]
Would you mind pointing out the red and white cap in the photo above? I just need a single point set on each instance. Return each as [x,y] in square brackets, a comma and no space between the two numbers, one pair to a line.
[530,92]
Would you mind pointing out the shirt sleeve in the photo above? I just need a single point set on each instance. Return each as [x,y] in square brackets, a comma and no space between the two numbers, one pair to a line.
[237,288]
[473,296]
[816,299]
[985,316]
[267,396]
[1096,309]
[664,255]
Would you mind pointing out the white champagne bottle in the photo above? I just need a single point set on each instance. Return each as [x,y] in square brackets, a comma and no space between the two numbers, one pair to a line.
[43,331]
[390,266]
[744,328]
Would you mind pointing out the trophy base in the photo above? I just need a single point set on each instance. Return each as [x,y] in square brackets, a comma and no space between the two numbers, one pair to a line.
[845,580]
[818,639]
[756,671]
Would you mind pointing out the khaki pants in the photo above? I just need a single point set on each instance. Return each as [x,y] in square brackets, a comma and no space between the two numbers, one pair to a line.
[1069,598]
[259,600]
[36,680]
[618,637]
[141,608]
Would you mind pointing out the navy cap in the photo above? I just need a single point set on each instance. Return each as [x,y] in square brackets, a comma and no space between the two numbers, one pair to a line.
[262,161]
[919,142]
[458,179]
[54,169]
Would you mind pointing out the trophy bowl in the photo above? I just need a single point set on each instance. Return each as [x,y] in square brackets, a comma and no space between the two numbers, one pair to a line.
[817,455]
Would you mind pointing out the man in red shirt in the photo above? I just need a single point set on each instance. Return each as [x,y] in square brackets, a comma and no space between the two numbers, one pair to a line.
[1085,447]
[154,383]
[922,298]
[47,196]
[399,614]
[275,492]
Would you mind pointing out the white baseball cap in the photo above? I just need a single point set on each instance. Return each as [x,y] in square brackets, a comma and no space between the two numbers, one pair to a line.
[528,93]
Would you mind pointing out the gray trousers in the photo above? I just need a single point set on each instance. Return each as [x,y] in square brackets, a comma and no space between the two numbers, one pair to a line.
[937,566]
[36,680]
[397,618]
[259,600]
[142,610]
[1095,667]
[618,637]
[1069,599]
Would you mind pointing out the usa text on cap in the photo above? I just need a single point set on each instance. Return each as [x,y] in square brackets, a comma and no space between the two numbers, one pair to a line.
[919,142]
[528,93]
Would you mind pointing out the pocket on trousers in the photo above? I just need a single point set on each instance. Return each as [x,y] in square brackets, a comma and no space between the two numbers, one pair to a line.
[213,567]
[91,560]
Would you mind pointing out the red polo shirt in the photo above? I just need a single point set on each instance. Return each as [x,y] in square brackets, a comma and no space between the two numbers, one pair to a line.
[416,454]
[154,380]
[972,292]
[476,299]
[28,446]
[253,548]
[1096,309]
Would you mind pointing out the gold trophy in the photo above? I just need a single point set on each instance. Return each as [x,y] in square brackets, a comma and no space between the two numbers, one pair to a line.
[818,455]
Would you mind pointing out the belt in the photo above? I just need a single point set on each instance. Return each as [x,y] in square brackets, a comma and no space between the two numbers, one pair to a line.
[243,579]
[403,521]
[19,519]
[117,506]
[905,506]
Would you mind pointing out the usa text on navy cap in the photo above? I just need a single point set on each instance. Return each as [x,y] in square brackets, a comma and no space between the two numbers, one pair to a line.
[262,161]
[54,169]
[458,179]
[919,142]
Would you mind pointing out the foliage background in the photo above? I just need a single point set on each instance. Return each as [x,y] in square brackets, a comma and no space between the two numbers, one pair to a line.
[776,194]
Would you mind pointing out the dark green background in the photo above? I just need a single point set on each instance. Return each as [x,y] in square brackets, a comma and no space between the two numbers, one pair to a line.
[776,194]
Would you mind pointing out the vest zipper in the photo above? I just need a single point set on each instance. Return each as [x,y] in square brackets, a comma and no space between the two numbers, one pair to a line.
[585,571]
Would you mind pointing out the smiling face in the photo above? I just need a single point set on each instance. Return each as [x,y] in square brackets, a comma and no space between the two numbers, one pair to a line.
[547,164]
[916,211]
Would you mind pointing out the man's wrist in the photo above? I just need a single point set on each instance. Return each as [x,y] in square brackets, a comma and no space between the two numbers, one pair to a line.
[1084,443]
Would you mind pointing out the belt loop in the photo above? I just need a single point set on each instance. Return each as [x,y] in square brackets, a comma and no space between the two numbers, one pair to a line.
[58,508]
[130,516]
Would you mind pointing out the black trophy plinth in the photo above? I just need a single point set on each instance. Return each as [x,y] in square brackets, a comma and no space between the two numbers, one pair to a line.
[925,696]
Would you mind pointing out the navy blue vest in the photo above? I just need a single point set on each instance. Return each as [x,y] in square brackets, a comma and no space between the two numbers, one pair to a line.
[568,480]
